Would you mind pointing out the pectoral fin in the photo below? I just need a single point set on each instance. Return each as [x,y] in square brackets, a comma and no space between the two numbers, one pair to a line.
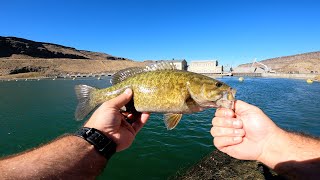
[172,120]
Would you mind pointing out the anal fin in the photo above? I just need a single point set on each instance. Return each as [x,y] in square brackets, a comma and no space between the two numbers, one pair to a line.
[171,120]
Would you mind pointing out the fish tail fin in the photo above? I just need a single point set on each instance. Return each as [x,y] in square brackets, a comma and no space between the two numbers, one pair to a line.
[86,103]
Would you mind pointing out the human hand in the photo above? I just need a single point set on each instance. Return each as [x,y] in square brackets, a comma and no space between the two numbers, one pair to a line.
[109,120]
[243,133]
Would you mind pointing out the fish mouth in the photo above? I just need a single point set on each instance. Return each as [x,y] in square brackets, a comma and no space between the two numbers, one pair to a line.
[230,94]
[226,100]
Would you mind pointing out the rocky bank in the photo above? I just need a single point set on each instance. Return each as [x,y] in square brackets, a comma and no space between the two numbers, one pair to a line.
[218,166]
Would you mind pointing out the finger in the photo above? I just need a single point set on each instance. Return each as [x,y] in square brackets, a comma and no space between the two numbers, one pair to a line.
[226,132]
[224,112]
[144,117]
[137,125]
[121,100]
[126,114]
[221,142]
[128,126]
[241,106]
[129,117]
[227,122]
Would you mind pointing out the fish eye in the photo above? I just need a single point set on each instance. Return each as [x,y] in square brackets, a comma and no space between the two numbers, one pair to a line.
[218,84]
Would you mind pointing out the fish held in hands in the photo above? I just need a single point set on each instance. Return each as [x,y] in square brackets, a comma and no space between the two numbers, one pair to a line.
[160,88]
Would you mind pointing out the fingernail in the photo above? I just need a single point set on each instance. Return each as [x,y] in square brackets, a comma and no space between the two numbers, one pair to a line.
[236,131]
[236,123]
[237,138]
[127,91]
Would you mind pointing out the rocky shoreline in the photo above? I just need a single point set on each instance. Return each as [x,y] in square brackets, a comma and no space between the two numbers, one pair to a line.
[315,77]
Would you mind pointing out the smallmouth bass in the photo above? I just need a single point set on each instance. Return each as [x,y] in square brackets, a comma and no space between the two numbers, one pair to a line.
[160,88]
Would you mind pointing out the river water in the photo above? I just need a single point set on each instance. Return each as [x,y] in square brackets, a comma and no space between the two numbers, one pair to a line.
[34,112]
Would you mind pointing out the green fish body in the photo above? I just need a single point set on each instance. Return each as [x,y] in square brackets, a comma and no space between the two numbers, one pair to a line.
[160,88]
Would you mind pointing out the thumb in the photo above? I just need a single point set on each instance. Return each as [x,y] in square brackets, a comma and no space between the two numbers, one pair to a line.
[241,107]
[122,99]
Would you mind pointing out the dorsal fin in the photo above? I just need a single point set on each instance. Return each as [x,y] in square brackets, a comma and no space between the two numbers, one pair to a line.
[125,73]
[128,72]
[162,65]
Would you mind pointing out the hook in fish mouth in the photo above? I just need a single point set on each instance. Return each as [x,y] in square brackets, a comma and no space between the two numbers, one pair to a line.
[232,94]
[229,95]
[227,99]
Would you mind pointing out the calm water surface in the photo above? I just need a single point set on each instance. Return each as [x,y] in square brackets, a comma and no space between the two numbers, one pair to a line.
[35,112]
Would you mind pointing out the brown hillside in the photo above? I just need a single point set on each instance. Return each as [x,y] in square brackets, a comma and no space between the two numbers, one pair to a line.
[10,46]
[19,55]
[300,63]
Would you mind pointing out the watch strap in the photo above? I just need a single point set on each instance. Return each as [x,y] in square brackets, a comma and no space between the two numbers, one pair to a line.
[104,145]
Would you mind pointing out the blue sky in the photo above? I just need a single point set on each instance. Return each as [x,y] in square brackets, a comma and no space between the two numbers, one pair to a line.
[232,31]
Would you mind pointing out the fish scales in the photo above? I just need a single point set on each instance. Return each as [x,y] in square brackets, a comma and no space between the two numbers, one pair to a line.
[169,91]
[156,91]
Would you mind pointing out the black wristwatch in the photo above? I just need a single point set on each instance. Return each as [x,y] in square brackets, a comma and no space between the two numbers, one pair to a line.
[102,143]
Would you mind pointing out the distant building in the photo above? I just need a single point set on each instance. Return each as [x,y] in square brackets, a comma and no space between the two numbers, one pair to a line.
[205,67]
[180,64]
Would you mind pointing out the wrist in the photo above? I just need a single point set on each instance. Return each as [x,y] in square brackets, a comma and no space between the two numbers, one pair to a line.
[101,128]
[104,145]
[274,150]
